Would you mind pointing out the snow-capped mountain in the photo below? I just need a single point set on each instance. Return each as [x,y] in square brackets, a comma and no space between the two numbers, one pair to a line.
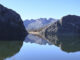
[35,24]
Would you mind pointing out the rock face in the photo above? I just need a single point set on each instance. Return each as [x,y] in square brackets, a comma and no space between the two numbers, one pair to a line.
[11,25]
[68,25]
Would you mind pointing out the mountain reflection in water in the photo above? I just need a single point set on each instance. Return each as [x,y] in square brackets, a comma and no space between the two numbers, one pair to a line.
[36,39]
[66,43]
[37,48]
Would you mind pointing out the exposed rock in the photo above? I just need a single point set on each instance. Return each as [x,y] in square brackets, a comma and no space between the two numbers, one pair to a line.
[68,25]
[11,25]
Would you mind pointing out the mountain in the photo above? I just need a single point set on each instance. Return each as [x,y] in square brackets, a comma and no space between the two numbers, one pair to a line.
[36,24]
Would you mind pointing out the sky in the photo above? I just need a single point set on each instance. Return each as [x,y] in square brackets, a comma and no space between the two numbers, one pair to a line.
[34,9]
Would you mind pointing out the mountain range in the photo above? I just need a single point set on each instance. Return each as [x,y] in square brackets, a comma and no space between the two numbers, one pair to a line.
[36,24]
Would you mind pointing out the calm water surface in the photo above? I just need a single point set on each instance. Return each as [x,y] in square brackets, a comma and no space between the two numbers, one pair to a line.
[36,48]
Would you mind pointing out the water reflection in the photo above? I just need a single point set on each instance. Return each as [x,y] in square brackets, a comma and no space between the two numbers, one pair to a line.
[9,48]
[36,48]
[36,39]
[66,43]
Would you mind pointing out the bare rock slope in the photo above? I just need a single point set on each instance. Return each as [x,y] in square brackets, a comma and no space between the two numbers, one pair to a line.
[11,25]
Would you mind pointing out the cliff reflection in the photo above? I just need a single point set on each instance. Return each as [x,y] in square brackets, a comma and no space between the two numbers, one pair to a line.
[66,43]
[9,48]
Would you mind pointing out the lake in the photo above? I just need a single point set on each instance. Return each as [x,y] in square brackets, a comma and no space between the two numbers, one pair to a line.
[37,48]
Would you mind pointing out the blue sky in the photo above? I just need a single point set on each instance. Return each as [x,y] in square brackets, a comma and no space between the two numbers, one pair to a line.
[33,9]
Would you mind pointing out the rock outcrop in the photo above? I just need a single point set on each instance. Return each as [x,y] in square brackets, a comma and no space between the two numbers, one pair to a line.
[11,25]
[68,25]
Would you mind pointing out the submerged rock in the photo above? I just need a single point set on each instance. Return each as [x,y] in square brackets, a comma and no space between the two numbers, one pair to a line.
[11,25]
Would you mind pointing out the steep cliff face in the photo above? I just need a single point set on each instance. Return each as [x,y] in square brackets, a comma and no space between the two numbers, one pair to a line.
[11,25]
[68,25]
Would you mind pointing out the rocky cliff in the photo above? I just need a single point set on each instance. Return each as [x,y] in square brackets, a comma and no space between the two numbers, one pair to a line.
[68,25]
[11,25]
